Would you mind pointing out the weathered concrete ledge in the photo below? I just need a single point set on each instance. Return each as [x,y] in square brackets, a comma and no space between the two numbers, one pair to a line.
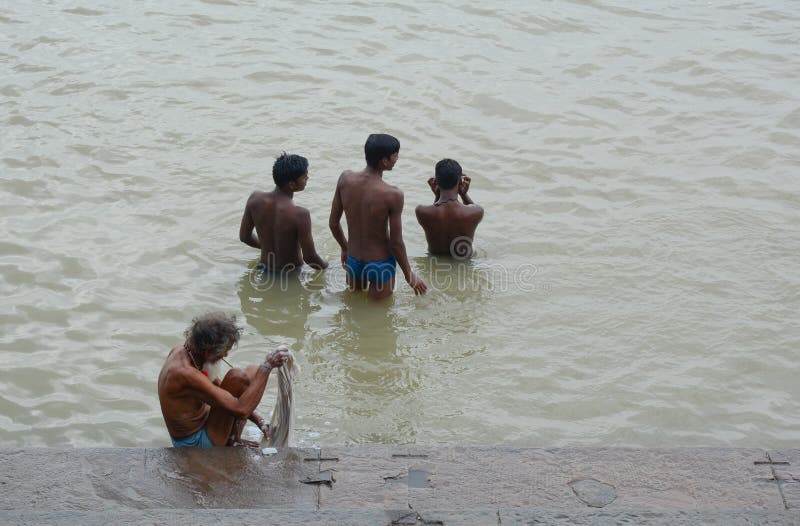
[400,485]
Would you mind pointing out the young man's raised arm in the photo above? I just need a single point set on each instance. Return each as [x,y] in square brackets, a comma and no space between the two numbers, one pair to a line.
[246,235]
[337,209]
[398,247]
[463,188]
[310,255]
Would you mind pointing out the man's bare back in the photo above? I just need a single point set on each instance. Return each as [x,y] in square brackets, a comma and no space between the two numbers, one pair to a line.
[373,211]
[450,225]
[283,229]
[368,201]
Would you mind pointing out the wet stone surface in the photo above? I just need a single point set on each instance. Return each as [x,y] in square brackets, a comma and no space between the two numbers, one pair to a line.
[387,484]
[500,517]
[593,492]
[787,473]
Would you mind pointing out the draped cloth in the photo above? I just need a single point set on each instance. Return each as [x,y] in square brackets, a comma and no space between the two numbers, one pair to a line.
[282,423]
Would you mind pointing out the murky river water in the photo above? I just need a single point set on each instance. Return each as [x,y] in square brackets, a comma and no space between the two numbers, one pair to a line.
[637,280]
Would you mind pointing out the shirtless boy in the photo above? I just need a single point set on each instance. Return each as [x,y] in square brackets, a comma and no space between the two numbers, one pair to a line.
[204,413]
[283,229]
[373,210]
[448,224]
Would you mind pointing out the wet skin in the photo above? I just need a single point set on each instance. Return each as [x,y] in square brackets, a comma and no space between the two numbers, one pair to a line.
[283,229]
[373,211]
[189,400]
[450,224]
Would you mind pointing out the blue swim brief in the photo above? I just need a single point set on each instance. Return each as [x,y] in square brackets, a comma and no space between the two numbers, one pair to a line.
[377,272]
[197,439]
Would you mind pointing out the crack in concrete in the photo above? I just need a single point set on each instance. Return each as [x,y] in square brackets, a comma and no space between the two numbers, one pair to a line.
[773,463]
[317,489]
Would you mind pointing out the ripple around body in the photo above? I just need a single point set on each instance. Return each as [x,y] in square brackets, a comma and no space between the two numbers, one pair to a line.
[636,276]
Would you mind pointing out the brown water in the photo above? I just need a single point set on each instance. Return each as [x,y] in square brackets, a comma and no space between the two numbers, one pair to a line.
[637,278]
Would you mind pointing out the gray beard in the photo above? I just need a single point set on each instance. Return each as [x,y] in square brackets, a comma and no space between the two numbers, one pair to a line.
[215,370]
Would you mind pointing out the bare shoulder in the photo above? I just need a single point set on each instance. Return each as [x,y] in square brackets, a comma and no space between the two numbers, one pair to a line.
[393,192]
[256,197]
[423,211]
[174,373]
[300,213]
[345,177]
[475,211]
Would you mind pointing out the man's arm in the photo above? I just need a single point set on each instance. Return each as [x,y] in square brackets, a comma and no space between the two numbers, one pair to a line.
[435,189]
[310,255]
[246,234]
[260,423]
[196,384]
[398,247]
[463,188]
[335,221]
[419,212]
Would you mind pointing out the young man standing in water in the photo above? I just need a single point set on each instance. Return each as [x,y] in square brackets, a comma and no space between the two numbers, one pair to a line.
[283,229]
[204,413]
[448,224]
[373,210]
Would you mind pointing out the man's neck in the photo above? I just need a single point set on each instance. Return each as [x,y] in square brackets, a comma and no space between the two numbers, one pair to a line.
[446,196]
[281,192]
[369,170]
[196,362]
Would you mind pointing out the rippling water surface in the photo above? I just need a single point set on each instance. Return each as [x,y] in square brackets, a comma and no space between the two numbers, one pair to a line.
[637,280]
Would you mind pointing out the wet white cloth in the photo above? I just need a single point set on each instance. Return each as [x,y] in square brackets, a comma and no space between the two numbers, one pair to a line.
[281,424]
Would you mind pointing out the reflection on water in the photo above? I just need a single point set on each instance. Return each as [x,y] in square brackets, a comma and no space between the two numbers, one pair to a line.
[278,306]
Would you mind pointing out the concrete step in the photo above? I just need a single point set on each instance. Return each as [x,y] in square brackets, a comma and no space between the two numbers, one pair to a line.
[361,481]
[500,517]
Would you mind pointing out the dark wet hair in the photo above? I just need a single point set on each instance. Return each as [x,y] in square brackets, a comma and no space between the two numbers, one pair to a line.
[448,172]
[212,333]
[379,146]
[288,168]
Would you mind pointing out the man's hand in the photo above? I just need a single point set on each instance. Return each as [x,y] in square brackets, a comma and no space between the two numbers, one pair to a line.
[277,357]
[264,427]
[434,186]
[344,259]
[463,186]
[417,284]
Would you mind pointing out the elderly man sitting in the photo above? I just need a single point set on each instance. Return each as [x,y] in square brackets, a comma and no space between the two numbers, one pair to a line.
[207,412]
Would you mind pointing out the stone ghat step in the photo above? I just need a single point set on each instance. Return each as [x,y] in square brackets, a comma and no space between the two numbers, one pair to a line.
[501,517]
[379,478]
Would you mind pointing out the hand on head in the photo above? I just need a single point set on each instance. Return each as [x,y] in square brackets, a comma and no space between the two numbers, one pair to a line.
[434,186]
[463,186]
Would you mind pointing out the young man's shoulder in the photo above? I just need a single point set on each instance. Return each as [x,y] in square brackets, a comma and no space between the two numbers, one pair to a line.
[423,211]
[300,213]
[257,197]
[347,176]
[475,209]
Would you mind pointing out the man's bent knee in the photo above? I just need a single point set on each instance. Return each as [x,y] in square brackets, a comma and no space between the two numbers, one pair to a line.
[236,381]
